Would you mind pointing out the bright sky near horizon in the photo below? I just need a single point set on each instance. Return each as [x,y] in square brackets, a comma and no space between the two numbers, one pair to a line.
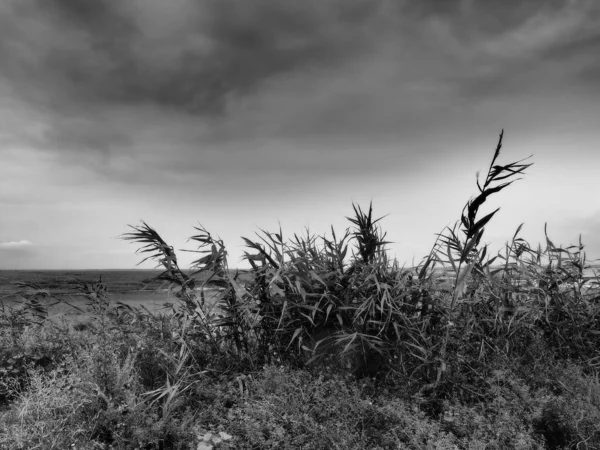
[244,114]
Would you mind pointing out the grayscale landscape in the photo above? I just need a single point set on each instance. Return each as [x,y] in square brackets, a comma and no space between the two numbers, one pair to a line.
[285,224]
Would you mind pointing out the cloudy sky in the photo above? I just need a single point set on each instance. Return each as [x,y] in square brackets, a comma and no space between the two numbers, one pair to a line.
[247,114]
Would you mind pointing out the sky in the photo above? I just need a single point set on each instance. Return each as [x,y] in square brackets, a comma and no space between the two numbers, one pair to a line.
[246,115]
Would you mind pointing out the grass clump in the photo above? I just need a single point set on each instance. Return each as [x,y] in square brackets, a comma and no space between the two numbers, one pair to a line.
[324,343]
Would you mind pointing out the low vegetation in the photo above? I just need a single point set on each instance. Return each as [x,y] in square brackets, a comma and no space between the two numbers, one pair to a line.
[325,343]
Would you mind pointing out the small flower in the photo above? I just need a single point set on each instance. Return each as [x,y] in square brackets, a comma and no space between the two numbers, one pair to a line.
[224,435]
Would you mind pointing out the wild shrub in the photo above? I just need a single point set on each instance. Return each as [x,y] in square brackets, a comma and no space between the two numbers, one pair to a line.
[309,298]
[26,340]
[288,409]
[569,412]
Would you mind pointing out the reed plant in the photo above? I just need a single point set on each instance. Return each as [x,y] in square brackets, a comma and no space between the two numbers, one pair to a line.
[464,350]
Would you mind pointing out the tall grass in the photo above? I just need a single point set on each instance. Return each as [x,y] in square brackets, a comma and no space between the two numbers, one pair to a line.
[309,293]
[501,350]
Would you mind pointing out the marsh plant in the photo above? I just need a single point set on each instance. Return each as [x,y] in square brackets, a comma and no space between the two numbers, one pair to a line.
[326,342]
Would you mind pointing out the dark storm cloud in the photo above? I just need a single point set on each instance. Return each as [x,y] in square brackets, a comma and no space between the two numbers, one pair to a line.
[533,49]
[93,51]
[59,53]
[78,62]
[98,73]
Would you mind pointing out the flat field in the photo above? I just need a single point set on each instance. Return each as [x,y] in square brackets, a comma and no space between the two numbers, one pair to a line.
[132,287]
[60,282]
